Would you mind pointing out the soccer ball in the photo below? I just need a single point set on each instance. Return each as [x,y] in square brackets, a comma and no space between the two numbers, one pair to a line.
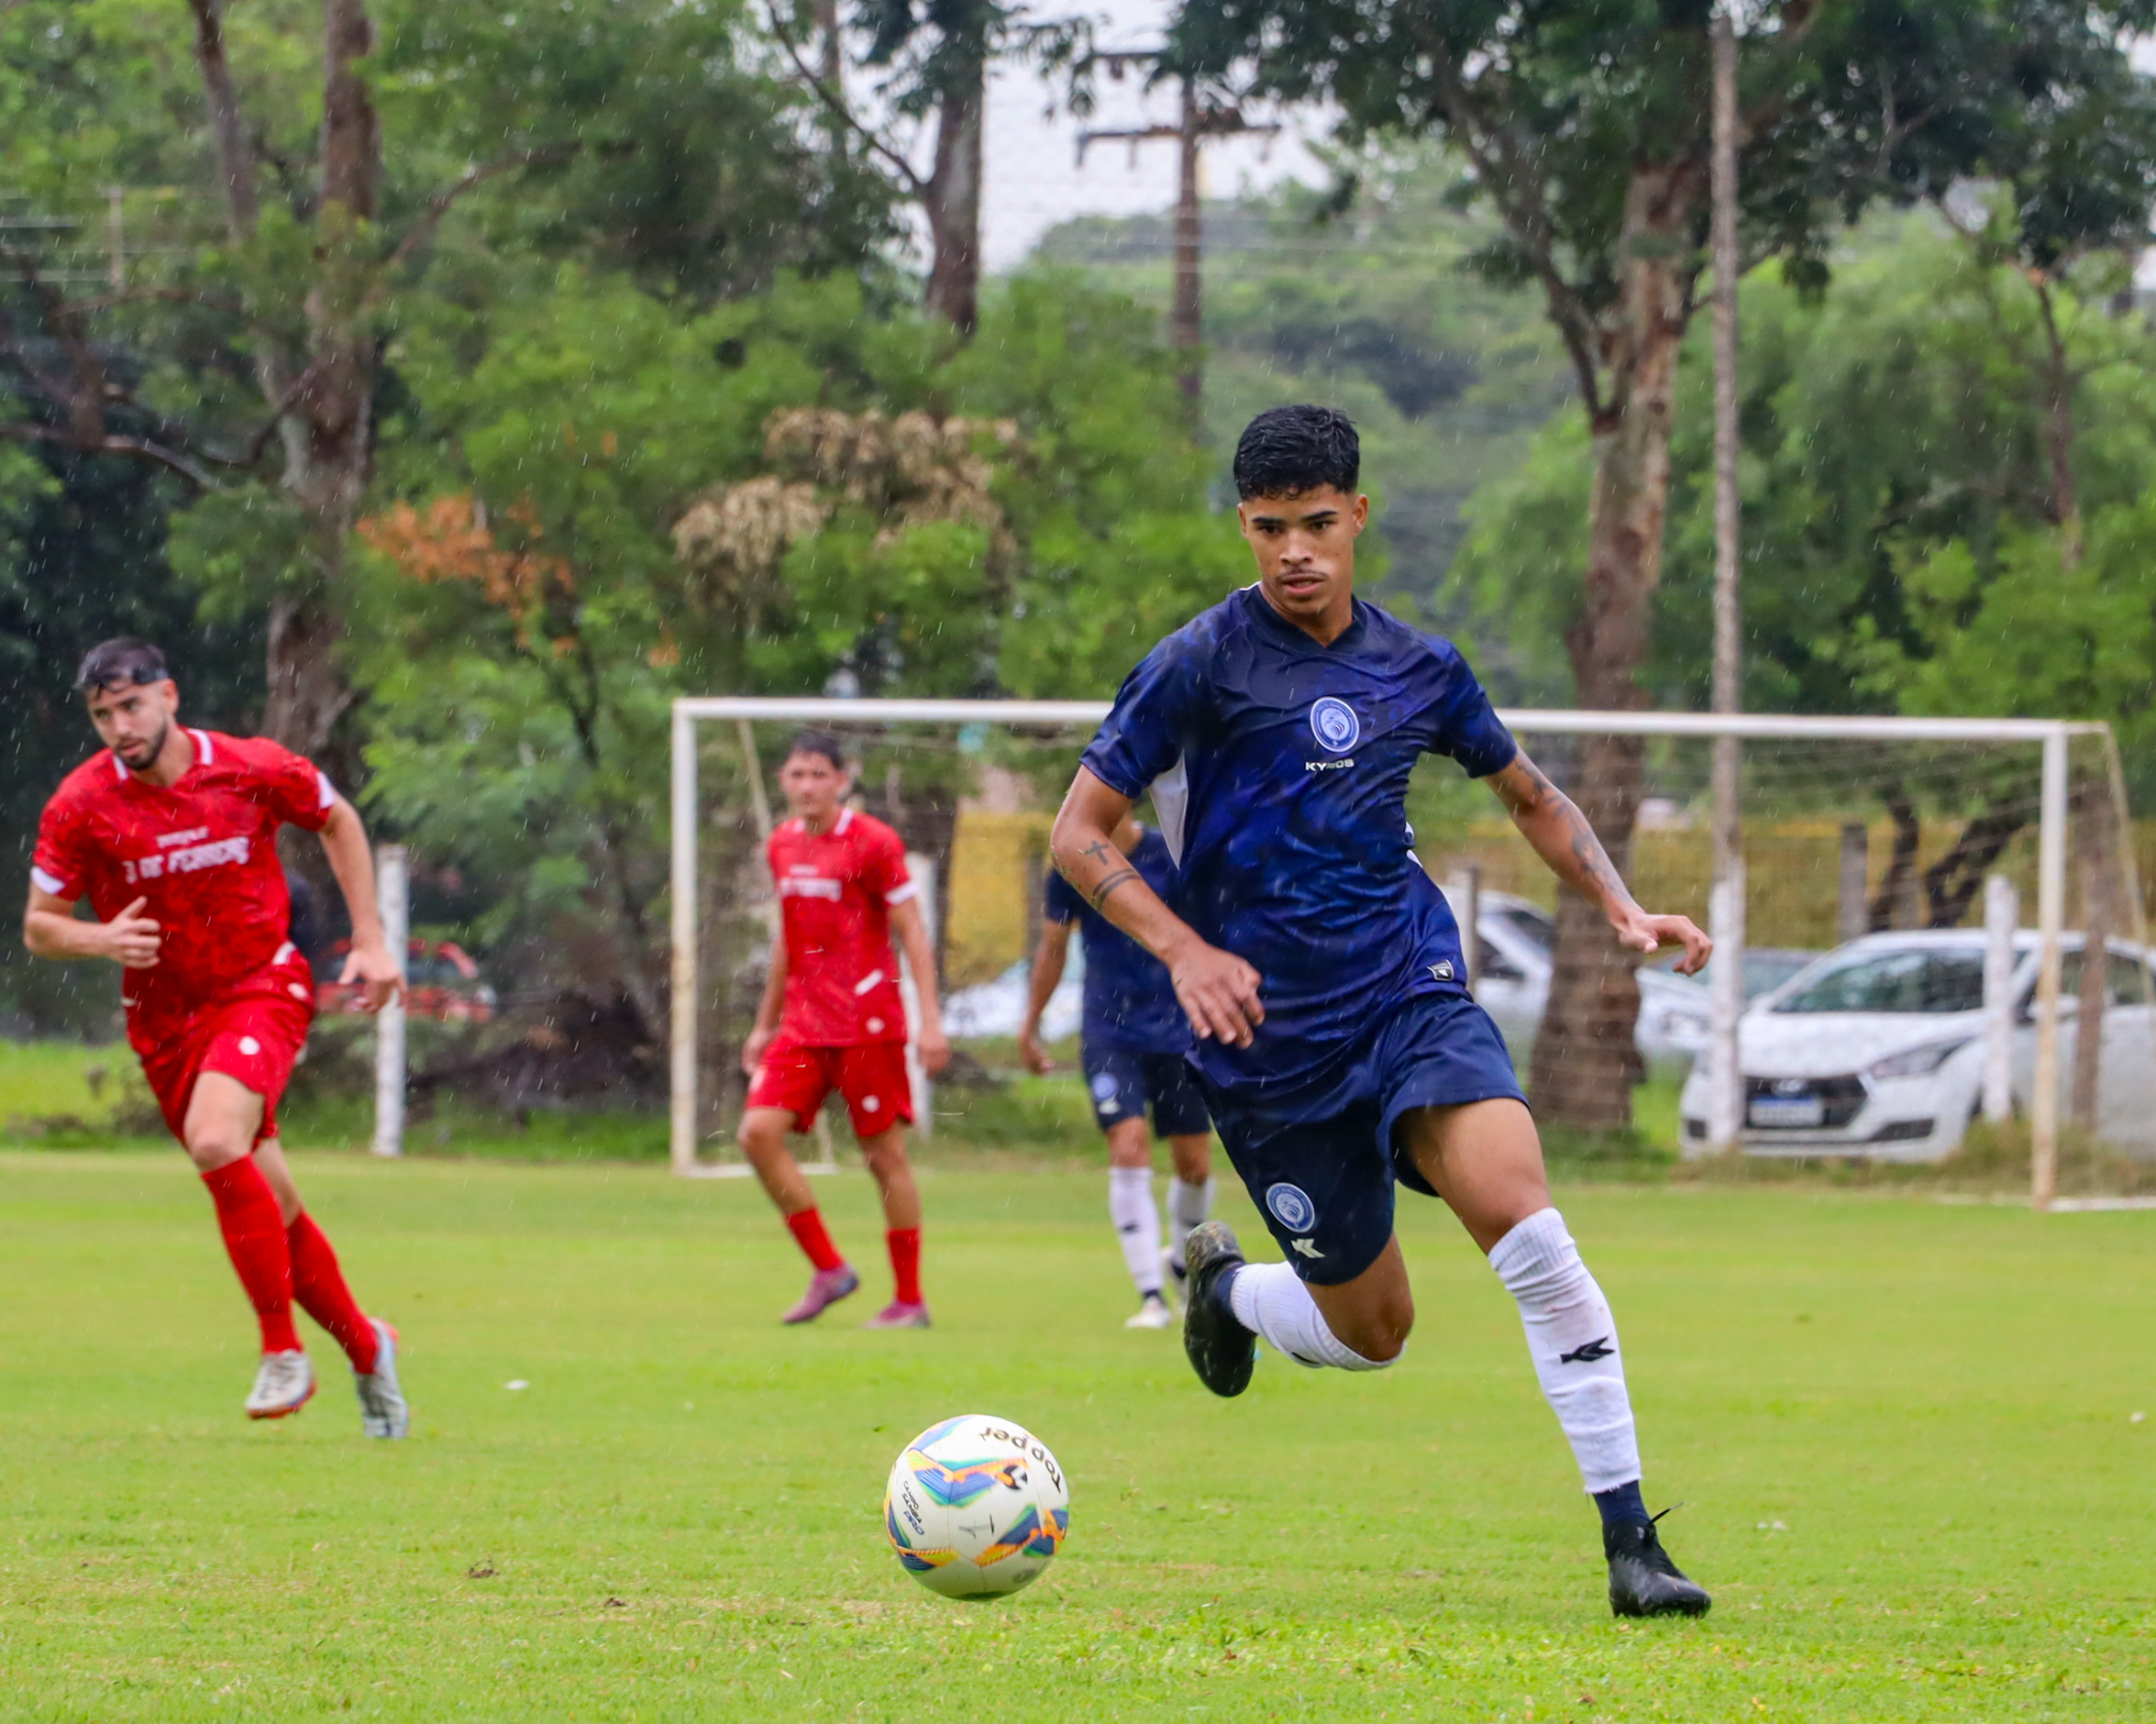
[975,1507]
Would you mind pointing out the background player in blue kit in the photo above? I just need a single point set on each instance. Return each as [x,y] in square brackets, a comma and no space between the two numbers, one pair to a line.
[1131,1039]
[1321,971]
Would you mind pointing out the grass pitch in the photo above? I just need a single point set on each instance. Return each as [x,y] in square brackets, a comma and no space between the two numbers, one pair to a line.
[1904,1433]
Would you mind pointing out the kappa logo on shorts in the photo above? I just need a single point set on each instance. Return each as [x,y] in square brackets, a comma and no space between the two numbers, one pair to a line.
[1334,724]
[1292,1208]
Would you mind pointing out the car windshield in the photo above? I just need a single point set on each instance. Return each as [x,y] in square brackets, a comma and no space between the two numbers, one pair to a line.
[1932,981]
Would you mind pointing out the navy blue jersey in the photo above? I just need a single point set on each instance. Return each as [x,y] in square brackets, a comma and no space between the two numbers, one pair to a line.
[1129,1002]
[1279,770]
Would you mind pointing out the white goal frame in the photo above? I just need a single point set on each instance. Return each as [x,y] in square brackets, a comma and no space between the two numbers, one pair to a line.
[2053,736]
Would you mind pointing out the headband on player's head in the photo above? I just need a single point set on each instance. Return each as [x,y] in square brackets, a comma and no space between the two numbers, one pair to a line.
[1285,450]
[118,662]
[815,742]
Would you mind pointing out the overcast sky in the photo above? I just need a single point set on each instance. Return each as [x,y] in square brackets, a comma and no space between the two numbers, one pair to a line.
[1033,178]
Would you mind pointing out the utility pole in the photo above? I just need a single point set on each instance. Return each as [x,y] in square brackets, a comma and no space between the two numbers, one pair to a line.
[1196,121]
[1726,905]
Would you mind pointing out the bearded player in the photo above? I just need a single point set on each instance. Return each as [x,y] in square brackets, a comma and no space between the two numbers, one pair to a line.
[172,833]
[1336,1039]
[832,1019]
[1131,1037]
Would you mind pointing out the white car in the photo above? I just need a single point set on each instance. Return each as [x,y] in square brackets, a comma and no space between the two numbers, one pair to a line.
[997,1007]
[1878,1049]
[1513,982]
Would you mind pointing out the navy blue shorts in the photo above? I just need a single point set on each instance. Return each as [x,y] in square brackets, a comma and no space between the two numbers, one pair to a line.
[1320,1163]
[1123,1084]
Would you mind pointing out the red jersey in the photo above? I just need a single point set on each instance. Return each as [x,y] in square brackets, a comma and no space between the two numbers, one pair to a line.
[835,892]
[204,852]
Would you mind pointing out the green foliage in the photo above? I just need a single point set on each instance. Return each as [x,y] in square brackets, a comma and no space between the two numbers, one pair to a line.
[518,675]
[1899,546]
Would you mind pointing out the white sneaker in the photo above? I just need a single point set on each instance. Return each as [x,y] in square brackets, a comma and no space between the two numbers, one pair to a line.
[285,1384]
[382,1412]
[1153,1314]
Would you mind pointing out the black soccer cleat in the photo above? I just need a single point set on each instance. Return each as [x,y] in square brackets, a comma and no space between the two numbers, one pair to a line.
[1221,1351]
[1643,1581]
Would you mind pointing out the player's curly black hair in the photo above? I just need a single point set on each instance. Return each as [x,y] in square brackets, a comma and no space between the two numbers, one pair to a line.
[119,661]
[1287,450]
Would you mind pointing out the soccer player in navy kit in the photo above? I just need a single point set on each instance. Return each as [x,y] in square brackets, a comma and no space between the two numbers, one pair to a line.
[1132,1040]
[1336,1043]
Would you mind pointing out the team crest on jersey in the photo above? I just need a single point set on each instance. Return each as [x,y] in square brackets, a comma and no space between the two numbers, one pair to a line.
[1291,1206]
[1334,724]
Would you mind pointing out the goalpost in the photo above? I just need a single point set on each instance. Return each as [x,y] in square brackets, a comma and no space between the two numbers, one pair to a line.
[2037,754]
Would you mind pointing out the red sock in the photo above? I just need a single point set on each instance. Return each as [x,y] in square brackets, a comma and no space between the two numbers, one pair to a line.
[816,1242]
[319,1287]
[905,1263]
[254,1239]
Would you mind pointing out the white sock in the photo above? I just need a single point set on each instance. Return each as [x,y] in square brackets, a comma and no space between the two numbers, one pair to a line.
[1270,1300]
[1573,1340]
[1187,1205]
[1137,1224]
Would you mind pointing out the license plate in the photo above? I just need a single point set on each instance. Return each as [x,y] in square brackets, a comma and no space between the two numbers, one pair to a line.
[1770,1112]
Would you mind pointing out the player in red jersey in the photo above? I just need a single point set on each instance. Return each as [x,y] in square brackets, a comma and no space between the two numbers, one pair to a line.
[832,1018]
[172,834]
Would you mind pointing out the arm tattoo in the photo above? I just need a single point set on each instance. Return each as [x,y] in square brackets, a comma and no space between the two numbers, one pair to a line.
[1121,877]
[1099,850]
[1593,861]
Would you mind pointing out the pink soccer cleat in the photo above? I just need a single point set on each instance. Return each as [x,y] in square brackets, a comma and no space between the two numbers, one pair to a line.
[898,1315]
[826,1287]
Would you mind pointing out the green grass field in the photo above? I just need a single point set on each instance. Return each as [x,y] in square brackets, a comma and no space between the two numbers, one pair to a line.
[1904,1433]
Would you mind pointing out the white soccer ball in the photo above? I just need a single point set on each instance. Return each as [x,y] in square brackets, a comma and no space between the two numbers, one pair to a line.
[975,1507]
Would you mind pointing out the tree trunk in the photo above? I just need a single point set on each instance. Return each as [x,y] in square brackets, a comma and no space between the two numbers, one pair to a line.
[1586,1061]
[1187,316]
[952,200]
[1893,906]
[2058,407]
[331,458]
[308,694]
[2095,840]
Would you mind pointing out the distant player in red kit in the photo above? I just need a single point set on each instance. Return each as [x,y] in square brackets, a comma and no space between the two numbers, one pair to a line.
[832,1018]
[172,834]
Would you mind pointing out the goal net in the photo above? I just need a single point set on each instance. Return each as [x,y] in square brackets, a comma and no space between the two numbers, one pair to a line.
[1918,906]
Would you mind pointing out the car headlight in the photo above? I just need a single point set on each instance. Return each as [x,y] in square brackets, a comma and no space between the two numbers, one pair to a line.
[1919,1062]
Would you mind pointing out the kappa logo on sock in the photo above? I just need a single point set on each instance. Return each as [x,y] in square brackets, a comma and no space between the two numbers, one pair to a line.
[1592,1354]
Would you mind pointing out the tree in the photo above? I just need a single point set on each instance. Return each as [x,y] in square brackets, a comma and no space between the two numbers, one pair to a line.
[937,55]
[313,169]
[758,497]
[1588,127]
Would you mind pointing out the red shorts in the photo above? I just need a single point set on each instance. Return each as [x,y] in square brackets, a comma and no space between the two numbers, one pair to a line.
[252,1035]
[871,1076]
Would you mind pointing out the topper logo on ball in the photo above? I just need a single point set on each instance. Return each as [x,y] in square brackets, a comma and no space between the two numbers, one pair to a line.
[1334,724]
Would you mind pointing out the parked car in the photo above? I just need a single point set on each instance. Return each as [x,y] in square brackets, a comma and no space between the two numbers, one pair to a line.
[997,1007]
[440,982]
[1766,967]
[1878,1048]
[1513,981]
